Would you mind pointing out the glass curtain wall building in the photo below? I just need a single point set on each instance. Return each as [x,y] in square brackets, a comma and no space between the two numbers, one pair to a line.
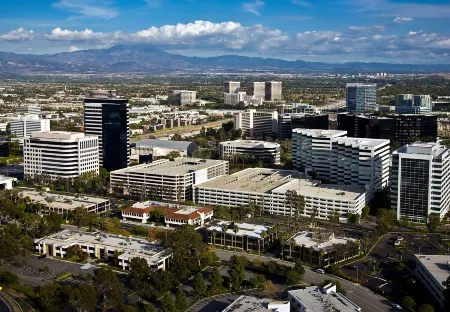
[361,98]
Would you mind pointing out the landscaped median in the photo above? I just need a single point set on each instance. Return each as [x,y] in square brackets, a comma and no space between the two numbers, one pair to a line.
[64,276]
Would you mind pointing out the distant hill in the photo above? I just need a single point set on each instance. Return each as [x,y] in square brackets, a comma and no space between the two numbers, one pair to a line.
[150,60]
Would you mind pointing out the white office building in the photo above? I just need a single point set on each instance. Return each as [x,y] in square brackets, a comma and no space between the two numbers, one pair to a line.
[253,304]
[234,98]
[257,89]
[311,149]
[231,87]
[256,123]
[167,179]
[24,126]
[36,110]
[60,154]
[431,271]
[420,181]
[267,188]
[184,97]
[364,162]
[268,152]
[320,299]
[104,246]
[273,91]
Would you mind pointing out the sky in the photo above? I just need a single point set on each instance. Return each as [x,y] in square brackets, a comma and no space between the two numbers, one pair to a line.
[394,31]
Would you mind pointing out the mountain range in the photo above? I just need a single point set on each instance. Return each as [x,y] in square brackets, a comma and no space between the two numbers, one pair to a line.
[151,60]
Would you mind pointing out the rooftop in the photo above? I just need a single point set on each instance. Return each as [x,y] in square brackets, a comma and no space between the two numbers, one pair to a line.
[250,144]
[316,300]
[179,145]
[361,84]
[59,135]
[174,166]
[252,304]
[424,148]
[60,201]
[317,133]
[305,238]
[245,229]
[361,141]
[178,213]
[262,180]
[437,265]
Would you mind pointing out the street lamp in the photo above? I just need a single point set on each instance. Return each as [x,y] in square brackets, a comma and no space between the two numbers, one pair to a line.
[357,274]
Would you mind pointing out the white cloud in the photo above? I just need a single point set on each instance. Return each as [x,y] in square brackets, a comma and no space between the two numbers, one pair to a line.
[74,48]
[401,19]
[363,29]
[301,2]
[394,8]
[86,35]
[253,7]
[88,8]
[19,34]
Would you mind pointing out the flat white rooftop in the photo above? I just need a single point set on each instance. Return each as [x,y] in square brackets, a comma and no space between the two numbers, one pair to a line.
[317,301]
[250,144]
[437,266]
[362,142]
[52,200]
[252,304]
[175,166]
[305,239]
[245,229]
[317,133]
[58,135]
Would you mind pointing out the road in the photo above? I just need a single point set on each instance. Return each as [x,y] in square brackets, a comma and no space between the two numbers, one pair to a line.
[361,296]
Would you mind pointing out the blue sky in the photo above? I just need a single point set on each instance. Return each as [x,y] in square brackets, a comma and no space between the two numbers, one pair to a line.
[397,31]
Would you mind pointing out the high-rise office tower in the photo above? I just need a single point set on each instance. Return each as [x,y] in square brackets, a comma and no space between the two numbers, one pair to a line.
[361,97]
[273,91]
[257,89]
[423,102]
[231,87]
[255,123]
[420,181]
[106,116]
[413,104]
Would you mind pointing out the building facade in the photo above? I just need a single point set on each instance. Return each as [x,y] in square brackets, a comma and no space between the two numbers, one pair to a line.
[273,91]
[184,97]
[267,152]
[231,87]
[35,110]
[257,89]
[234,98]
[106,116]
[413,104]
[167,179]
[60,154]
[24,126]
[255,123]
[361,98]
[420,181]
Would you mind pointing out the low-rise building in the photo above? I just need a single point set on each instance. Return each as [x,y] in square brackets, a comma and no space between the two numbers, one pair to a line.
[320,248]
[243,236]
[167,179]
[183,97]
[185,148]
[104,246]
[268,152]
[7,183]
[431,271]
[174,215]
[268,187]
[252,304]
[24,126]
[36,110]
[320,299]
[63,204]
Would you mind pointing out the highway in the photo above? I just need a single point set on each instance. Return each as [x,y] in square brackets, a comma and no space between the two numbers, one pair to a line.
[361,296]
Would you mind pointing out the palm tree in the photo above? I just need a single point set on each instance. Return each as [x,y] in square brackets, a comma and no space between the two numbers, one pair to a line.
[291,247]
[263,235]
[375,264]
[224,232]
[310,254]
[419,244]
[365,262]
[400,267]
[322,253]
[213,237]
[235,230]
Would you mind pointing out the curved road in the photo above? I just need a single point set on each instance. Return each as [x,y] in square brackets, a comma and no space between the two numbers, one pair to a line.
[3,306]
[363,297]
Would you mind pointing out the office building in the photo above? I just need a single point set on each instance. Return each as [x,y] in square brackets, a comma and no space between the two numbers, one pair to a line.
[184,97]
[256,124]
[267,188]
[231,87]
[234,98]
[24,126]
[167,179]
[60,154]
[431,271]
[413,104]
[174,214]
[400,129]
[35,110]
[104,246]
[320,299]
[311,150]
[245,236]
[185,148]
[319,247]
[288,122]
[361,98]
[273,91]
[267,152]
[420,181]
[62,204]
[106,116]
[252,304]
[364,162]
[7,183]
[257,89]
[297,108]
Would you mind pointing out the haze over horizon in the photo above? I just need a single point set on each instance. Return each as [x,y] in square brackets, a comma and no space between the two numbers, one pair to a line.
[329,31]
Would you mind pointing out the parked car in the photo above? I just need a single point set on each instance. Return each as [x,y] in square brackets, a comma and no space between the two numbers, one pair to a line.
[320,271]
[397,306]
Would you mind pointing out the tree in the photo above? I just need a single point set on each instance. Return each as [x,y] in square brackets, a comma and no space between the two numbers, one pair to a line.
[168,304]
[181,301]
[365,211]
[49,298]
[353,218]
[404,221]
[8,278]
[446,284]
[334,217]
[385,217]
[408,303]
[434,220]
[145,307]
[258,281]
[199,285]
[236,271]
[294,202]
[425,308]
[293,277]
[54,221]
[269,289]
[139,268]
[108,287]
[84,298]
[216,279]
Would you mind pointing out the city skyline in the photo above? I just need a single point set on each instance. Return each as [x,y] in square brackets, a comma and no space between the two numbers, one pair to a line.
[331,31]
